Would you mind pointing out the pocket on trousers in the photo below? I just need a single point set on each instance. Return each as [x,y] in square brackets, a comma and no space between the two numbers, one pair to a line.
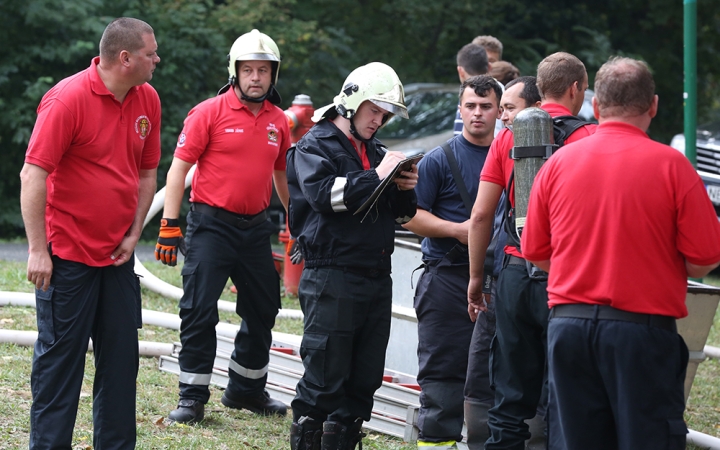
[677,434]
[491,369]
[312,352]
[44,311]
[138,303]
[188,273]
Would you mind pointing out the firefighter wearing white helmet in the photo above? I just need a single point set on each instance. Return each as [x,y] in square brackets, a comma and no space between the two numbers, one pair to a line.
[238,141]
[254,46]
[345,288]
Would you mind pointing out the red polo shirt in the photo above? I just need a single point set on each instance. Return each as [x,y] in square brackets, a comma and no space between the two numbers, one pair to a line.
[93,147]
[236,152]
[617,215]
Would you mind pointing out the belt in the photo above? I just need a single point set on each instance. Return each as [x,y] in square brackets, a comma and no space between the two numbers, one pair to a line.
[606,312]
[237,220]
[515,261]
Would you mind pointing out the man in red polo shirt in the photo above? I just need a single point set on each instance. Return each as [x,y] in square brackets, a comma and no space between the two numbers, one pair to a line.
[238,141]
[619,222]
[87,184]
[518,356]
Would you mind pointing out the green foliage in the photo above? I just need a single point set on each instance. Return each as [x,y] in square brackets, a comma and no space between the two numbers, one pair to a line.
[46,40]
[321,41]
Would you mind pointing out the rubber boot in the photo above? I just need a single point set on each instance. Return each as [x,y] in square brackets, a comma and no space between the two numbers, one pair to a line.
[476,418]
[337,436]
[538,440]
[305,434]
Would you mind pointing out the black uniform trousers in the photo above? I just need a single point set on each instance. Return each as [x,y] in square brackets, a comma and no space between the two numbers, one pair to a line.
[218,251]
[82,302]
[517,356]
[615,385]
[444,334]
[477,382]
[347,328]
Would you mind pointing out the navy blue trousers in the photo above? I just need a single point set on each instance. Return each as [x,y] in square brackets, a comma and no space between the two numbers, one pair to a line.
[517,357]
[477,383]
[218,251]
[82,302]
[347,327]
[615,386]
[444,334]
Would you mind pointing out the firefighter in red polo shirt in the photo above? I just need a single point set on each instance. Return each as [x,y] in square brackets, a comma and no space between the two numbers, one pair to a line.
[238,141]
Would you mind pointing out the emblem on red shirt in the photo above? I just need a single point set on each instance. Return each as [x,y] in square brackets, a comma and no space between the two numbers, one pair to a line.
[142,126]
[181,139]
[272,133]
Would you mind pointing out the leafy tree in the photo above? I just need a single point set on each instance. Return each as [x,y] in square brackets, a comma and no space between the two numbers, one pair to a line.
[46,40]
[321,41]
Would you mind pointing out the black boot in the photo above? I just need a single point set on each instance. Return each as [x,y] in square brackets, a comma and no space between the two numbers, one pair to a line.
[337,436]
[476,418]
[305,434]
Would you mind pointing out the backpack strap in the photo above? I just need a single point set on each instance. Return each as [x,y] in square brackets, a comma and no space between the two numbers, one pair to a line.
[455,170]
[564,126]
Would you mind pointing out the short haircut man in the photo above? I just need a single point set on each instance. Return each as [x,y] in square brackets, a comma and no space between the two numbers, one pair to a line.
[616,365]
[557,72]
[87,184]
[518,355]
[473,60]
[482,86]
[529,92]
[444,327]
[492,45]
[124,33]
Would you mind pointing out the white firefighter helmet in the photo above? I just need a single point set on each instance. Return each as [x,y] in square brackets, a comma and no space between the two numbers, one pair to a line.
[375,82]
[254,46]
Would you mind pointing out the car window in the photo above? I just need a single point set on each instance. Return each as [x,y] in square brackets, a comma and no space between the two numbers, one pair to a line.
[431,112]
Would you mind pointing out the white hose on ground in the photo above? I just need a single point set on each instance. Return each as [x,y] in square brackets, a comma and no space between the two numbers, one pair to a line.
[8,298]
[711,352]
[703,440]
[159,286]
[28,338]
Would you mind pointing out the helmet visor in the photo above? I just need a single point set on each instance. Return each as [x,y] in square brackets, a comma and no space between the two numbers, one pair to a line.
[392,108]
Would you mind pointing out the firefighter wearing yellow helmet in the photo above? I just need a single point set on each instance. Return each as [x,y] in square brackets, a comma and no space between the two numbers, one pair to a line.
[254,46]
[345,287]
[375,82]
[238,142]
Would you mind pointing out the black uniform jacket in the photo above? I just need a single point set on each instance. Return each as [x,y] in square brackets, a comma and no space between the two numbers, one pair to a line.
[327,185]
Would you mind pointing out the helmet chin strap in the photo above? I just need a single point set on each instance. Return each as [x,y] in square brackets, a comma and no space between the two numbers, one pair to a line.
[357,136]
[253,99]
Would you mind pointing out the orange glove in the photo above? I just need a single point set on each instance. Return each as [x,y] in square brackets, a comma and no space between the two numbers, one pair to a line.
[169,242]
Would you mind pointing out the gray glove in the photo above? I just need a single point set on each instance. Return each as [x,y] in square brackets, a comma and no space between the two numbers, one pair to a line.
[294,252]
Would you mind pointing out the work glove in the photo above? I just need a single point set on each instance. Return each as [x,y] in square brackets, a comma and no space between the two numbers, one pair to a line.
[169,242]
[294,252]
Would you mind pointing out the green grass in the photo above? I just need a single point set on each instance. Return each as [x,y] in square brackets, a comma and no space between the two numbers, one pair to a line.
[222,428]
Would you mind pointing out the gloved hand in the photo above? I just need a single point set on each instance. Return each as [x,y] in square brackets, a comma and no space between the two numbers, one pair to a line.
[169,242]
[294,252]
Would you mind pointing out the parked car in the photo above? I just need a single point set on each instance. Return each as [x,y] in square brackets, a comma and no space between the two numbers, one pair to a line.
[432,108]
[708,159]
